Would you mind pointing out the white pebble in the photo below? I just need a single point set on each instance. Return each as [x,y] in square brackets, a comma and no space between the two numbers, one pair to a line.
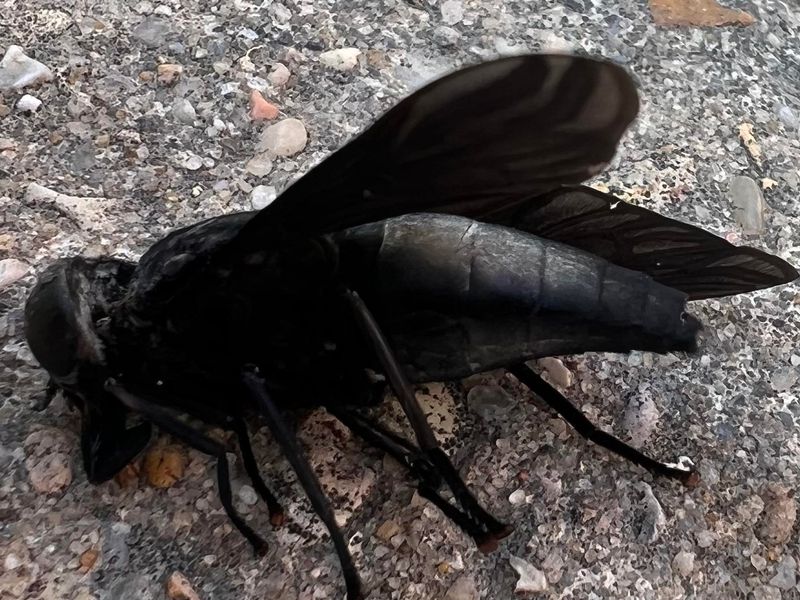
[11,270]
[531,580]
[192,162]
[452,11]
[262,196]
[558,373]
[28,103]
[17,70]
[517,497]
[183,110]
[683,563]
[248,495]
[341,59]
[284,138]
[260,165]
[279,75]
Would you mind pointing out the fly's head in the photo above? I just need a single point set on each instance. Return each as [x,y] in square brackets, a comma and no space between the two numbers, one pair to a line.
[61,321]
[63,326]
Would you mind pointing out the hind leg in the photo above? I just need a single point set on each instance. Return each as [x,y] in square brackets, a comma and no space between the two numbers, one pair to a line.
[573,416]
[487,531]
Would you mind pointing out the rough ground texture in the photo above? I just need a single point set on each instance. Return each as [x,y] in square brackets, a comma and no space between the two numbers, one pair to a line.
[115,127]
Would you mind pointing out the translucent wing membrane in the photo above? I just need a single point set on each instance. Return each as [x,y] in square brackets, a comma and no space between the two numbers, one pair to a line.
[474,142]
[676,254]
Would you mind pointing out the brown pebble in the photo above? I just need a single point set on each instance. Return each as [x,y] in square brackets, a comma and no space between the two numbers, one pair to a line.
[164,465]
[179,588]
[168,73]
[779,515]
[260,109]
[130,474]
[702,13]
[147,76]
[387,531]
[88,559]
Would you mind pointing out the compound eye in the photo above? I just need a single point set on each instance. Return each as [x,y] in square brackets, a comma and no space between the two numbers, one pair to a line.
[57,322]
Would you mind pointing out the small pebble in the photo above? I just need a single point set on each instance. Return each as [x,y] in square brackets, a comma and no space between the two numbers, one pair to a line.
[387,530]
[489,401]
[780,513]
[28,103]
[531,580]
[517,497]
[164,465]
[341,59]
[152,31]
[262,196]
[463,588]
[279,75]
[446,36]
[260,165]
[87,211]
[452,11]
[12,270]
[183,111]
[559,374]
[784,379]
[758,561]
[192,162]
[786,574]
[88,559]
[248,495]
[641,418]
[285,138]
[50,474]
[260,109]
[787,117]
[765,592]
[654,520]
[179,588]
[168,74]
[748,204]
[18,70]
[683,563]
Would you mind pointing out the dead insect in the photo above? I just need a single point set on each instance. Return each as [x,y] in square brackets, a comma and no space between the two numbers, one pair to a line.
[293,306]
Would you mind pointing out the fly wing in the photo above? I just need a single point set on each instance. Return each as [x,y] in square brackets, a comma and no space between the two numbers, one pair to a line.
[675,254]
[472,143]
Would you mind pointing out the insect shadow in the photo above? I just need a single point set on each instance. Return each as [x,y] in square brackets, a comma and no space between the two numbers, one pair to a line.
[449,238]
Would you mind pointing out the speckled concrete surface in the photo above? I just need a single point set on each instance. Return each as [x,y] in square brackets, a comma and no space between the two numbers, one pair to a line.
[717,103]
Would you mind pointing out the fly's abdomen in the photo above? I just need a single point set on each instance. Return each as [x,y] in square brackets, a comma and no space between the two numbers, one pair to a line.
[461,296]
[457,265]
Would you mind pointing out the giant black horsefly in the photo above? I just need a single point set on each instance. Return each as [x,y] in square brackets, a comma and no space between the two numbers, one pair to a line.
[432,246]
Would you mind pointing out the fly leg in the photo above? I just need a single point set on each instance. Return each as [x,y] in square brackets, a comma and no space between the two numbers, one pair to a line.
[413,459]
[276,514]
[254,386]
[168,422]
[489,530]
[588,430]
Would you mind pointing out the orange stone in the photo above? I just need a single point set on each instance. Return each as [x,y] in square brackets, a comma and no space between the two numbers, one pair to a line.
[260,109]
[700,13]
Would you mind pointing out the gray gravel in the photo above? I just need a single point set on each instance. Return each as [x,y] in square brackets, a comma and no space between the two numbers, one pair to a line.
[154,148]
